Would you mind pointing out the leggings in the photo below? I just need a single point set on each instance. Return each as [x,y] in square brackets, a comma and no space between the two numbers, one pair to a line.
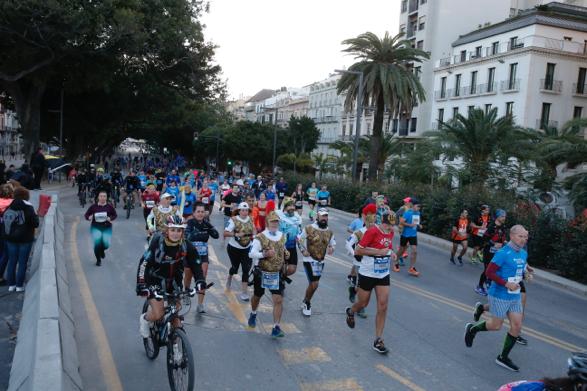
[102,237]
[239,257]
[487,257]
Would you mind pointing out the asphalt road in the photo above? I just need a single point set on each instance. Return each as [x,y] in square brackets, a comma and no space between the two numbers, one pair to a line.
[424,329]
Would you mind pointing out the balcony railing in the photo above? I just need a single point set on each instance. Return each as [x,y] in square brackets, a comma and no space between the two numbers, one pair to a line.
[580,90]
[510,85]
[487,88]
[550,85]
[543,124]
[440,95]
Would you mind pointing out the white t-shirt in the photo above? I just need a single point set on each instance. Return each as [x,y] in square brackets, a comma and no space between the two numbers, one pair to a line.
[231,227]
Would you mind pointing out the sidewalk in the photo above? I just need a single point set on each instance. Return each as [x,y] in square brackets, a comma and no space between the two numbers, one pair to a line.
[439,243]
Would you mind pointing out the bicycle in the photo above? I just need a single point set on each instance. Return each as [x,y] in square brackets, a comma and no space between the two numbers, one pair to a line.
[115,195]
[180,358]
[129,202]
[83,196]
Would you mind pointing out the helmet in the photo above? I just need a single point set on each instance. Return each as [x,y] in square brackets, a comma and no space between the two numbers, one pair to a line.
[578,366]
[106,177]
[101,170]
[175,221]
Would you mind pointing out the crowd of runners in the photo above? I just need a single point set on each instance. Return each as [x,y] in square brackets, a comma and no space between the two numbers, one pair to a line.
[266,238]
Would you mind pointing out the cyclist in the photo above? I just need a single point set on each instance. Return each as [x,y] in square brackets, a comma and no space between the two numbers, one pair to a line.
[269,254]
[102,184]
[117,180]
[164,262]
[149,200]
[101,214]
[131,185]
[82,180]
[376,249]
[199,231]
[241,231]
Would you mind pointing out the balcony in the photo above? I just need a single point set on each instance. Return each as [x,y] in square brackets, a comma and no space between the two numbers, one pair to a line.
[551,86]
[487,88]
[413,6]
[515,45]
[543,124]
[580,90]
[512,85]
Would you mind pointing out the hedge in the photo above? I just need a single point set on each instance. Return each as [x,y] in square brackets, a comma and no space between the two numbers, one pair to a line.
[554,243]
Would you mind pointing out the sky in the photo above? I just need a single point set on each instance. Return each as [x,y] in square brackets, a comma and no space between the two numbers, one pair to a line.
[289,43]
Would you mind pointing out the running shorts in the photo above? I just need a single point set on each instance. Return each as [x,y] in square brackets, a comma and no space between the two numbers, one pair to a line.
[368,283]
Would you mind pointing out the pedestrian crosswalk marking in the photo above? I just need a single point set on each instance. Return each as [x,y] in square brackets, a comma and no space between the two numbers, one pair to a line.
[332,385]
[305,355]
[396,376]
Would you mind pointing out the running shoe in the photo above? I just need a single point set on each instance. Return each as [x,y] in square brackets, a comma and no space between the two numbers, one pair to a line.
[460,261]
[244,296]
[11,288]
[395,268]
[480,290]
[478,311]
[452,260]
[98,262]
[252,320]
[506,363]
[414,272]
[228,282]
[362,313]
[469,335]
[20,289]
[521,340]
[277,332]
[306,308]
[350,318]
[401,261]
[352,294]
[379,346]
[349,279]
[200,309]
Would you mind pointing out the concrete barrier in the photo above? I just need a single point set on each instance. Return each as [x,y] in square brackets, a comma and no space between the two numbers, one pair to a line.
[45,357]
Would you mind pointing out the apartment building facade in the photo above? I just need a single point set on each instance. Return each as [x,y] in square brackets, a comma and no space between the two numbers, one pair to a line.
[10,138]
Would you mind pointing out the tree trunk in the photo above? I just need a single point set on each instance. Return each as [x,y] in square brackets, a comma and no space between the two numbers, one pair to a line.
[376,138]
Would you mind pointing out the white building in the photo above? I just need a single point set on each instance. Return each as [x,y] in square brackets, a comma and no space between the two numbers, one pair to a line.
[433,25]
[325,108]
[10,138]
[532,66]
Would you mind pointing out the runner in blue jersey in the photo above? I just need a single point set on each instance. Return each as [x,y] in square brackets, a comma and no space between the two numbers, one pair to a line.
[290,223]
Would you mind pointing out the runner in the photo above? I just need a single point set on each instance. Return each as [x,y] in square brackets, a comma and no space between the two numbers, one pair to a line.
[323,197]
[460,236]
[159,214]
[377,252]
[281,188]
[316,240]
[188,204]
[410,221]
[478,227]
[149,199]
[229,203]
[495,238]
[205,196]
[290,224]
[101,214]
[506,271]
[241,230]
[259,212]
[174,191]
[198,232]
[355,225]
[400,228]
[298,197]
[312,193]
[269,256]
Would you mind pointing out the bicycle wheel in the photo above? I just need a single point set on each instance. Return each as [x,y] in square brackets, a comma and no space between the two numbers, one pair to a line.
[180,362]
[150,344]
[128,204]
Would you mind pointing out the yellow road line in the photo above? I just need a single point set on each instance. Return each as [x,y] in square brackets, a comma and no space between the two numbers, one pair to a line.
[396,376]
[332,385]
[303,356]
[466,308]
[233,304]
[288,328]
[105,357]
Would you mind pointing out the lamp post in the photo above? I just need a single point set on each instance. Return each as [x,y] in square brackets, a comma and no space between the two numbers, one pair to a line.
[217,138]
[274,135]
[60,111]
[359,112]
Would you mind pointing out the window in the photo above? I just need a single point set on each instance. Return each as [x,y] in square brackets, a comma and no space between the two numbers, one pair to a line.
[443,87]
[455,112]
[577,112]
[473,89]
[470,108]
[581,81]
[509,108]
[512,78]
[420,45]
[404,5]
[463,55]
[422,2]
[545,115]
[568,38]
[549,76]
[458,85]
[413,125]
[421,23]
[440,116]
[487,108]
[513,43]
[394,125]
[478,51]
[351,128]
[490,79]
[495,48]
[343,129]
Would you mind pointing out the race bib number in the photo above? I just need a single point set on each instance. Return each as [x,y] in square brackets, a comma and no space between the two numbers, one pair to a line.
[323,202]
[201,248]
[381,265]
[317,268]
[515,280]
[281,195]
[150,204]
[270,280]
[298,203]
[462,231]
[100,217]
[205,200]
[416,219]
[481,232]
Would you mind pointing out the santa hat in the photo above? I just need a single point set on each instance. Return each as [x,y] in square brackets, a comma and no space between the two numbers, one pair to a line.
[270,206]
[370,209]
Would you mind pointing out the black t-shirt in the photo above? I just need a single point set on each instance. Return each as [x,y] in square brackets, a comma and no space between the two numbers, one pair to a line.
[171,266]
[229,200]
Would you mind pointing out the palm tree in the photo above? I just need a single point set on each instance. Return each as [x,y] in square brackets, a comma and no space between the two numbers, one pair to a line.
[479,140]
[389,81]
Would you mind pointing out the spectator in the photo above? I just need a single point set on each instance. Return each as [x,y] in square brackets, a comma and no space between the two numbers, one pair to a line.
[20,221]
[38,164]
[6,198]
[24,177]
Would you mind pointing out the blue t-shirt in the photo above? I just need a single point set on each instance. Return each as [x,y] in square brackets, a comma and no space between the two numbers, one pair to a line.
[323,196]
[214,187]
[170,178]
[511,267]
[270,195]
[188,206]
[174,191]
[356,224]
[291,227]
[411,215]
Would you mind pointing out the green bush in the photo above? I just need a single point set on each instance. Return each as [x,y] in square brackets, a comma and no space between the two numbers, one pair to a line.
[553,243]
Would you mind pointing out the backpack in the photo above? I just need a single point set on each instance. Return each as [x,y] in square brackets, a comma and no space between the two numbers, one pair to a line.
[13,224]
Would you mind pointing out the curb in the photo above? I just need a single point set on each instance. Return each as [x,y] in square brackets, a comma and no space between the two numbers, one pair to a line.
[45,357]
[540,275]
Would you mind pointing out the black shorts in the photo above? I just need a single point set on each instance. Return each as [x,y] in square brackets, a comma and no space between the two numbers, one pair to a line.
[310,273]
[368,283]
[477,241]
[459,241]
[299,207]
[204,258]
[293,256]
[412,240]
[258,289]
[312,203]
[522,287]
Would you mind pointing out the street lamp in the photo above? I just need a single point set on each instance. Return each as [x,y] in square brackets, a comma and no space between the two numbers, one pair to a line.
[274,135]
[359,111]
[217,138]
[60,111]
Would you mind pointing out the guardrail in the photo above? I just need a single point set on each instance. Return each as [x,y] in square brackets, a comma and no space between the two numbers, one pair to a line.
[46,357]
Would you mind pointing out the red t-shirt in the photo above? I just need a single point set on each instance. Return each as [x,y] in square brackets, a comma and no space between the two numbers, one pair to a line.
[461,225]
[205,195]
[374,237]
[150,199]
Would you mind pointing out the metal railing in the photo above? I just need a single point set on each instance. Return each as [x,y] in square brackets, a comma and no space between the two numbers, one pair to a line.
[580,89]
[550,85]
[510,85]
[487,88]
[543,124]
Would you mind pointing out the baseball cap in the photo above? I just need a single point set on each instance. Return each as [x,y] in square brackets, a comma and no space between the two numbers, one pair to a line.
[243,205]
[272,216]
[500,213]
[323,212]
[407,199]
[167,195]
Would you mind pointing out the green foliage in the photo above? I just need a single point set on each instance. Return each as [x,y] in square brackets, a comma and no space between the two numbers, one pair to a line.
[300,163]
[303,134]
